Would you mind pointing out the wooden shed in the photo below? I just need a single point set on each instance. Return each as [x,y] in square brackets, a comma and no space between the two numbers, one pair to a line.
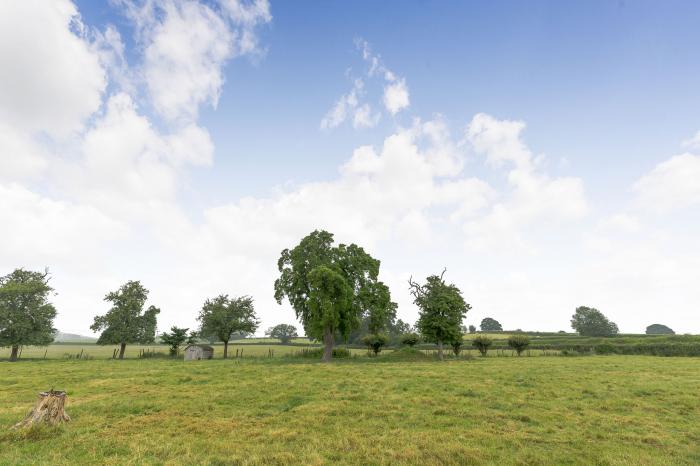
[197,352]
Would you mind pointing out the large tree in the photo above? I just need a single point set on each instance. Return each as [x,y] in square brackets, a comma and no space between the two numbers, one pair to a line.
[590,322]
[126,322]
[224,317]
[330,287]
[26,315]
[491,325]
[283,332]
[441,308]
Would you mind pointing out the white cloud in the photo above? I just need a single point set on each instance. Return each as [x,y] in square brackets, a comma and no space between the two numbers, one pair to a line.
[671,185]
[187,44]
[51,80]
[534,197]
[20,156]
[692,143]
[396,96]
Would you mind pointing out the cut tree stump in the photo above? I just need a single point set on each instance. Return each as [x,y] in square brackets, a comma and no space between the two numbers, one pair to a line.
[49,410]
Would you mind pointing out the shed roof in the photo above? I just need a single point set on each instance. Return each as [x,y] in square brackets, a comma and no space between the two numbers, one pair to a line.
[206,347]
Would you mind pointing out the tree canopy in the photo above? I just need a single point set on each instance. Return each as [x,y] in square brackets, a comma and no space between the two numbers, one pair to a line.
[126,322]
[283,332]
[491,325]
[331,287]
[590,322]
[223,317]
[659,329]
[176,338]
[441,308]
[26,315]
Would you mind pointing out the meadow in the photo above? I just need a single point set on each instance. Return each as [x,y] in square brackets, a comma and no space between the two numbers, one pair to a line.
[507,410]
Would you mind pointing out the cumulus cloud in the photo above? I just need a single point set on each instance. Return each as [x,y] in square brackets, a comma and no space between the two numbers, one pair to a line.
[187,44]
[672,184]
[51,80]
[533,196]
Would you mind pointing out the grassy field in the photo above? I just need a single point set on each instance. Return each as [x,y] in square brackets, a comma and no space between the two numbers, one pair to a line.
[547,410]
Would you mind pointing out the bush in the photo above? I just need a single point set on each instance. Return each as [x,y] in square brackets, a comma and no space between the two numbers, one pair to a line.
[316,353]
[482,343]
[410,339]
[519,343]
[375,342]
[457,346]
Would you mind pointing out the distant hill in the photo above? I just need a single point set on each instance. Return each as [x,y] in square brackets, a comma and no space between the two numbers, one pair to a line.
[72,338]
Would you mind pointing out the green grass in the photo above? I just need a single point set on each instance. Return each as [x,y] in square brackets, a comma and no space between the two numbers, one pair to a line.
[625,410]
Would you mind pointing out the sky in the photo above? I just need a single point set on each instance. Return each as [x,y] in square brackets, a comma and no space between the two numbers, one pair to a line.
[546,154]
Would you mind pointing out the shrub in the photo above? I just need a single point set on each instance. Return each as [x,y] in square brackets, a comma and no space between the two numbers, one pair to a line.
[519,343]
[316,353]
[375,341]
[482,343]
[457,346]
[410,339]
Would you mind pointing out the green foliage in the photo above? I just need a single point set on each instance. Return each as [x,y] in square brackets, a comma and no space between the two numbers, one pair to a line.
[126,322]
[472,329]
[223,317]
[519,343]
[491,325]
[176,338]
[375,341]
[316,353]
[331,287]
[659,329]
[441,308]
[410,339]
[457,345]
[482,343]
[588,321]
[283,332]
[26,315]
[380,310]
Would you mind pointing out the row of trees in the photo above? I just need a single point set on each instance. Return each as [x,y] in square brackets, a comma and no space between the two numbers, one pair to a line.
[127,322]
[333,289]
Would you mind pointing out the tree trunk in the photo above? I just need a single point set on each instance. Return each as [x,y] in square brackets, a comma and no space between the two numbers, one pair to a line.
[225,349]
[13,355]
[440,350]
[122,348]
[49,409]
[327,345]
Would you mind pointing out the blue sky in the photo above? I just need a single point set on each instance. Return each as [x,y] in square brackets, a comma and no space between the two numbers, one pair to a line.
[563,162]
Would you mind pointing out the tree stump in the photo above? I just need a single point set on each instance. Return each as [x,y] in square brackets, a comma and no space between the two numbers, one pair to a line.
[49,410]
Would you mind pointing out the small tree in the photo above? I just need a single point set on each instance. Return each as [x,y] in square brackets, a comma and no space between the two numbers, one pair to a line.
[283,332]
[482,343]
[457,345]
[472,329]
[192,338]
[26,315]
[659,329]
[223,317]
[590,322]
[442,309]
[410,339]
[375,341]
[176,338]
[491,325]
[126,322]
[518,343]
